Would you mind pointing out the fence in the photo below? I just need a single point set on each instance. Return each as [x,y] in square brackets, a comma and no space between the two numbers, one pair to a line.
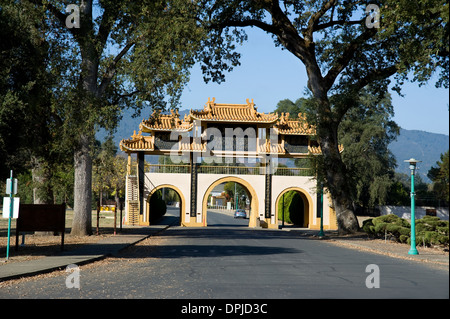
[227,170]
[168,168]
[218,207]
[405,211]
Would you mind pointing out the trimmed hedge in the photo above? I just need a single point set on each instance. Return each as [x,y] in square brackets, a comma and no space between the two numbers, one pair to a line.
[158,206]
[287,207]
[293,208]
[430,230]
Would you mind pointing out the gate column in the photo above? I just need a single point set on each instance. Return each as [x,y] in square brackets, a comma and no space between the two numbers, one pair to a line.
[141,183]
[194,182]
[268,191]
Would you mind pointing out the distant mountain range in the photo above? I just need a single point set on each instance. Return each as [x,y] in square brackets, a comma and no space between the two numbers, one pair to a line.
[128,124]
[424,146]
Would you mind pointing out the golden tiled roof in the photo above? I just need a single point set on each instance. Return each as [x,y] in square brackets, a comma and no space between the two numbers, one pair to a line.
[232,113]
[138,142]
[316,150]
[271,148]
[166,122]
[192,145]
[298,126]
[214,112]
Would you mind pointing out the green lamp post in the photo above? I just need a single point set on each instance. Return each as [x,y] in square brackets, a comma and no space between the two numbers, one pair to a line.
[412,166]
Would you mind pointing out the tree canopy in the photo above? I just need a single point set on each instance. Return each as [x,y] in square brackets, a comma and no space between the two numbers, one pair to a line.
[108,55]
[440,177]
[365,132]
[343,51]
[98,57]
[24,90]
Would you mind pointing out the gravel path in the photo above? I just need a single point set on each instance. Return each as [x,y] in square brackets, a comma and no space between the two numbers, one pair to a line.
[436,256]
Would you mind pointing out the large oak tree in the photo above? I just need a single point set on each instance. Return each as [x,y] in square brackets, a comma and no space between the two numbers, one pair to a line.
[365,132]
[343,50]
[25,98]
[137,54]
[112,55]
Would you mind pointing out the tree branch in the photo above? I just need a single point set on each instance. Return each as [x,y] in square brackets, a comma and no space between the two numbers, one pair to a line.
[379,74]
[105,27]
[342,61]
[111,70]
[302,48]
[375,75]
[119,97]
[61,17]
[245,23]
[58,14]
[322,26]
[315,18]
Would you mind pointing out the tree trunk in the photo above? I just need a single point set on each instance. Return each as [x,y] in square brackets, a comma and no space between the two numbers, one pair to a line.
[41,174]
[82,218]
[101,196]
[333,169]
[335,172]
[346,219]
[42,193]
[38,180]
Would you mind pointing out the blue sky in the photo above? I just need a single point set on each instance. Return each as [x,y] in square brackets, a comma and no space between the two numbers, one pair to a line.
[268,74]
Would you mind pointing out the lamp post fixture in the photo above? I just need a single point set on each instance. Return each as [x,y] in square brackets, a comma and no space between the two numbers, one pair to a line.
[412,166]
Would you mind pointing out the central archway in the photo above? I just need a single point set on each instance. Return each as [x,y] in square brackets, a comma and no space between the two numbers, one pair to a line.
[253,204]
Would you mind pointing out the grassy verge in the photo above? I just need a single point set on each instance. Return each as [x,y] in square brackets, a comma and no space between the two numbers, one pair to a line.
[38,245]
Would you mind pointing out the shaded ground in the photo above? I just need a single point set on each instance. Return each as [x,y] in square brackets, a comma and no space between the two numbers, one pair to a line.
[39,246]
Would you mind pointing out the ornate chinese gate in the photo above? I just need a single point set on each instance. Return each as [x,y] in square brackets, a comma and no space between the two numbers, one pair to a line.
[221,143]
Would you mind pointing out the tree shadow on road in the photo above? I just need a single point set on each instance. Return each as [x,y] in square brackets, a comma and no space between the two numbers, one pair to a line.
[196,251]
[162,246]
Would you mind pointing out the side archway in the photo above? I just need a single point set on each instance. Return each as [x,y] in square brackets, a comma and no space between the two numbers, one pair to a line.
[253,203]
[308,208]
[177,190]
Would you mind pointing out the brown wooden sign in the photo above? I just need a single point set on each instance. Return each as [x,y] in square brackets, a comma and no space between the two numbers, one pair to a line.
[41,217]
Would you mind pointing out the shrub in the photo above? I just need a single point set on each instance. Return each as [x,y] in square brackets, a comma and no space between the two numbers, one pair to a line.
[387,225]
[403,239]
[287,202]
[430,230]
[293,208]
[158,206]
[368,226]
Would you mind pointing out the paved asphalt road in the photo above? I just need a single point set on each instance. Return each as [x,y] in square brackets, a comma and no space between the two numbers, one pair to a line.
[234,262]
